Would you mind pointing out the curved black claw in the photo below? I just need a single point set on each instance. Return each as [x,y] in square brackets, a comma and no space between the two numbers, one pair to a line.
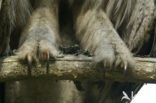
[47,62]
[29,62]
[46,58]
[105,66]
[125,66]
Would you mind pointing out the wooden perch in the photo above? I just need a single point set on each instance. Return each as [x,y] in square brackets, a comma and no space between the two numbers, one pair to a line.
[0,4]
[77,68]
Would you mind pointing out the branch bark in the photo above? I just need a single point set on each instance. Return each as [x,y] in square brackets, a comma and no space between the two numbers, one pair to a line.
[77,68]
[0,4]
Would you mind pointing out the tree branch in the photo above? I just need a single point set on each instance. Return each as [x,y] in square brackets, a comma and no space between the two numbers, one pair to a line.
[0,4]
[77,68]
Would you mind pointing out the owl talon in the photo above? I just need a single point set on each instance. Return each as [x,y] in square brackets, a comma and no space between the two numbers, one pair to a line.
[47,66]
[125,65]
[29,61]
[105,65]
[46,58]
[47,62]
[121,64]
